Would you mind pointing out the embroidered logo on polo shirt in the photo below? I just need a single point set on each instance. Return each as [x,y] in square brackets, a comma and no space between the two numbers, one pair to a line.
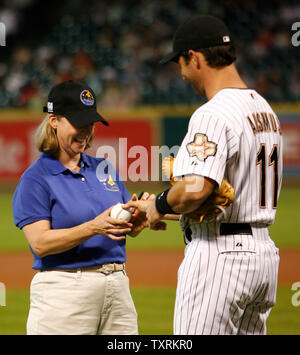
[112,185]
[87,98]
[105,175]
[201,147]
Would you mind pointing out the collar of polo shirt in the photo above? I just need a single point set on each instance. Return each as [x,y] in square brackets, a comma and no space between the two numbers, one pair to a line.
[55,167]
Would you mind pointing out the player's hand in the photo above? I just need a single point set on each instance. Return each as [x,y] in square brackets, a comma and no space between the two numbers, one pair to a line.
[138,218]
[148,208]
[139,205]
[110,227]
[136,212]
[153,217]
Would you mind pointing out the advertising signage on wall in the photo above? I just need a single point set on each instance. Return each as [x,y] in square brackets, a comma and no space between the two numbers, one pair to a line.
[134,146]
[126,143]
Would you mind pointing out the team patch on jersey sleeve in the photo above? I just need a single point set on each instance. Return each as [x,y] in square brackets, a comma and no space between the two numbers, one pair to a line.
[201,147]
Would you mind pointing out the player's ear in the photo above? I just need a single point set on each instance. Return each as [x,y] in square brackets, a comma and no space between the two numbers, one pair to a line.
[194,58]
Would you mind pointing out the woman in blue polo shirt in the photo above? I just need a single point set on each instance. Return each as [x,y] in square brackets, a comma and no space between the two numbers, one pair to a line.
[62,203]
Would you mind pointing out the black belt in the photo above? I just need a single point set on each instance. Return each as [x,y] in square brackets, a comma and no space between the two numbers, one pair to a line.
[225,229]
[235,228]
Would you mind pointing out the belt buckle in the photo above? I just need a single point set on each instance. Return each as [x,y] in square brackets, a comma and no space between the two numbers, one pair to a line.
[108,269]
[105,269]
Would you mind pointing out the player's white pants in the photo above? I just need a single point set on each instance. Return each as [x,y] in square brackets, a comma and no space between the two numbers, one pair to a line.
[226,284]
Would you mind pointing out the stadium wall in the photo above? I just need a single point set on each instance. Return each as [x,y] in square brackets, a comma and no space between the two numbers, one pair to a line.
[131,136]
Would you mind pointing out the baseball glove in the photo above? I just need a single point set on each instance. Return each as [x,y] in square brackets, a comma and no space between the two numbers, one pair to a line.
[216,203]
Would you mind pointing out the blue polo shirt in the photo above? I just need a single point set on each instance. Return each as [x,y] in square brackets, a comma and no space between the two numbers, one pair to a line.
[49,191]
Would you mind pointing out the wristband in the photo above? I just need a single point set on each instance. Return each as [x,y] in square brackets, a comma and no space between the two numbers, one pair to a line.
[162,205]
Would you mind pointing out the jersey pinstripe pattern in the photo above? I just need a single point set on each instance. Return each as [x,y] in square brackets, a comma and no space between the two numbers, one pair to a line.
[227,284]
[224,120]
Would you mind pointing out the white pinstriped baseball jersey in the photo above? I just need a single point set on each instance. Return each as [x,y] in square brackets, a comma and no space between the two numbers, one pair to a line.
[238,137]
[227,283]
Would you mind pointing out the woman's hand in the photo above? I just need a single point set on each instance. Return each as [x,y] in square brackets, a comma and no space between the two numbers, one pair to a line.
[139,217]
[110,227]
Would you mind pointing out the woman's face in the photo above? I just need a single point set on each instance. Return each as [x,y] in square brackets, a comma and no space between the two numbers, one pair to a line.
[72,140]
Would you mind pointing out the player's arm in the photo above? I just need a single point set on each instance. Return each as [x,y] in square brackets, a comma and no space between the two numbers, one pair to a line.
[185,196]
[172,217]
[190,193]
[46,241]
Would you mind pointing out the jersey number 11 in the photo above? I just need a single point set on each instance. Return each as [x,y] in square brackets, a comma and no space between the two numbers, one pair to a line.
[273,161]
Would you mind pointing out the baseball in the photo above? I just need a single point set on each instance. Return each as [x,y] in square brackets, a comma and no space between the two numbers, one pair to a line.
[119,213]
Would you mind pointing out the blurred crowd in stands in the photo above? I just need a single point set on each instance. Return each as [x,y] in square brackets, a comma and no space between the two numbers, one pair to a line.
[115,46]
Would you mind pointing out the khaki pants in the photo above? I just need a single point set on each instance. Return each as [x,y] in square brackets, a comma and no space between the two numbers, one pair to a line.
[82,302]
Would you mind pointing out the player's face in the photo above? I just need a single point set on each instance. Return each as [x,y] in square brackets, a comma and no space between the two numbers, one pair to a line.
[190,73]
[71,139]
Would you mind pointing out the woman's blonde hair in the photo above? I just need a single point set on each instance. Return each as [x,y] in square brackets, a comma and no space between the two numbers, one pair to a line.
[46,140]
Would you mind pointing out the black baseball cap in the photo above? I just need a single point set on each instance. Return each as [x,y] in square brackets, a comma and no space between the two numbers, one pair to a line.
[75,101]
[198,32]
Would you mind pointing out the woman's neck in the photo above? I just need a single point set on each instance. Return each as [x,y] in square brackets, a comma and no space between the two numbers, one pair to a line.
[70,162]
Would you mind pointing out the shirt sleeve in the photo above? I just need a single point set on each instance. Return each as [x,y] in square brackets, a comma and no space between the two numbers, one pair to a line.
[31,202]
[206,148]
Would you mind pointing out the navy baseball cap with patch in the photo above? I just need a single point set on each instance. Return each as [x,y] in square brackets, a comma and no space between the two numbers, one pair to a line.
[198,32]
[75,101]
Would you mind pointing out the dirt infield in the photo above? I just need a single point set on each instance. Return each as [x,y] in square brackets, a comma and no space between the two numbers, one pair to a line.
[145,268]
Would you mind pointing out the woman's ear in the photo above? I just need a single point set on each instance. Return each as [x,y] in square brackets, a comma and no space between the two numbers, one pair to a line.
[53,121]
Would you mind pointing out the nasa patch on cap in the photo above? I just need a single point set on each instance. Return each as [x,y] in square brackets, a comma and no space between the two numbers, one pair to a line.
[87,98]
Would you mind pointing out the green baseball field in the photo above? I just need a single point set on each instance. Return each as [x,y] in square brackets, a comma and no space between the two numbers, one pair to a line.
[153,259]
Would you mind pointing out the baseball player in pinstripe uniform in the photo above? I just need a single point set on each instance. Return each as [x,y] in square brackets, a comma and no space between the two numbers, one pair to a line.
[228,279]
